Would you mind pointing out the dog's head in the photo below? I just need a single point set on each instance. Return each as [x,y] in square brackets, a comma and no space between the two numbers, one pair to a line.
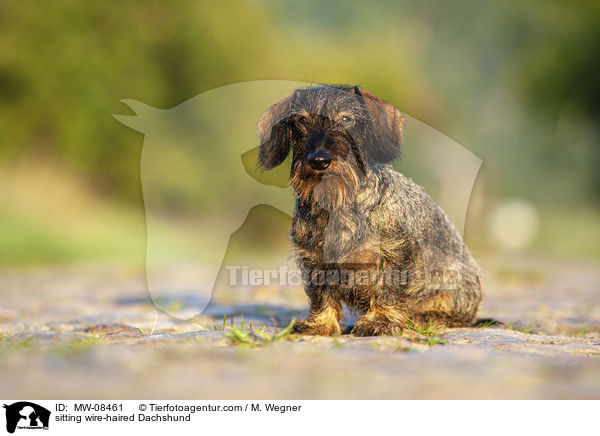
[335,134]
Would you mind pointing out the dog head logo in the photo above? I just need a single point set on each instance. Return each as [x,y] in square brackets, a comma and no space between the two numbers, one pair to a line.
[199,167]
[26,415]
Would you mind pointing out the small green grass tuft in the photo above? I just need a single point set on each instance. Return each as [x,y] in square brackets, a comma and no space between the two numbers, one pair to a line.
[258,338]
[525,329]
[220,328]
[199,323]
[78,345]
[436,340]
[431,329]
[90,340]
[224,326]
[488,323]
[584,331]
[17,343]
[25,343]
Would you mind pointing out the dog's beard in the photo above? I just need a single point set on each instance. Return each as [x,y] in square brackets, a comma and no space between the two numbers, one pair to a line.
[331,189]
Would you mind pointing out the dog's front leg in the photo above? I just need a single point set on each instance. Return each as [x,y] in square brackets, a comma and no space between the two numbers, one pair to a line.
[325,314]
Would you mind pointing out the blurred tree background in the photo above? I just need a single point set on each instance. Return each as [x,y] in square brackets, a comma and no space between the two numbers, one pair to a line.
[514,82]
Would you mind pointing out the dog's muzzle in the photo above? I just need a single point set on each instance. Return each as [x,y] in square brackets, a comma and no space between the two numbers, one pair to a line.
[319,160]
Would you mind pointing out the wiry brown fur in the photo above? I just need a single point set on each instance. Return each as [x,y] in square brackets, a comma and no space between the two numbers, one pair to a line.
[359,218]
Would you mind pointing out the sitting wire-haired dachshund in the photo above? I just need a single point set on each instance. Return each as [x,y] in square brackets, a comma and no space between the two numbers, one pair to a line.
[364,235]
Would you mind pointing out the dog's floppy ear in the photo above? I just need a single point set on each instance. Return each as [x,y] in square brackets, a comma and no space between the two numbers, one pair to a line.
[275,135]
[384,145]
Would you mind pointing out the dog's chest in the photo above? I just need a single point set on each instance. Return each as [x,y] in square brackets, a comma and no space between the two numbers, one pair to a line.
[335,237]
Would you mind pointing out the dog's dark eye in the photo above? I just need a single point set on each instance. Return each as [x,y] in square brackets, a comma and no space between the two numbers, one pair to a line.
[302,120]
[346,120]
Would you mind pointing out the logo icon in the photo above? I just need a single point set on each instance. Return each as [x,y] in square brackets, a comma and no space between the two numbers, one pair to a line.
[26,415]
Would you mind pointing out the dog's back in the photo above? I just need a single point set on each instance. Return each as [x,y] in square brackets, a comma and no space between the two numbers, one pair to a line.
[450,276]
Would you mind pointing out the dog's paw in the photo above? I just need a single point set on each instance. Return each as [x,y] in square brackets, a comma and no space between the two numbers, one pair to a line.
[309,327]
[368,327]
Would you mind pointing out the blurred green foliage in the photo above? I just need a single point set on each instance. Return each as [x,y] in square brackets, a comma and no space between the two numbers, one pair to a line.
[515,82]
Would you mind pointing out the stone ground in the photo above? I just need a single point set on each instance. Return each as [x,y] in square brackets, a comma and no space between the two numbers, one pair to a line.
[91,332]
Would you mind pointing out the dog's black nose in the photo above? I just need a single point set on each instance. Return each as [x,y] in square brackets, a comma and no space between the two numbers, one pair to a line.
[319,160]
